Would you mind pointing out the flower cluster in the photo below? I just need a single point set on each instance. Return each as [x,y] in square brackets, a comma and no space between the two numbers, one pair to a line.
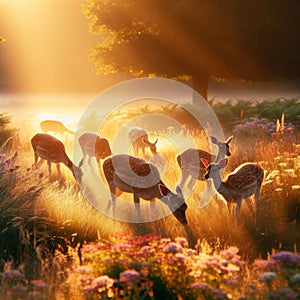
[149,265]
[257,129]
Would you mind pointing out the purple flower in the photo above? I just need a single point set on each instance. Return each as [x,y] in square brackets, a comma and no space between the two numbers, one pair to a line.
[172,248]
[283,294]
[287,257]
[129,276]
[268,277]
[12,275]
[202,286]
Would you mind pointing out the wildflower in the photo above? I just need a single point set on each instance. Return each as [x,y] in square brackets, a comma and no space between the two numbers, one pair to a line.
[182,241]
[230,253]
[268,277]
[172,248]
[19,291]
[266,265]
[39,284]
[129,276]
[190,251]
[102,282]
[287,257]
[296,279]
[86,280]
[179,256]
[219,294]
[201,286]
[147,249]
[83,270]
[12,275]
[122,246]
[283,294]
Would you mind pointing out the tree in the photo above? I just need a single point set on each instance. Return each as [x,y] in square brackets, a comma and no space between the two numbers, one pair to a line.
[196,39]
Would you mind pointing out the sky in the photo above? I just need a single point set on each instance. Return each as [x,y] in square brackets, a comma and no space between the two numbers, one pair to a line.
[46,48]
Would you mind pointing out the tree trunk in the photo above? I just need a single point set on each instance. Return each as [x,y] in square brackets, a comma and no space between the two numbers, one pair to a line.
[200,85]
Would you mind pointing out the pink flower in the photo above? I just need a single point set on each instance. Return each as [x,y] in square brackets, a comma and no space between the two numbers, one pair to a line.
[102,282]
[147,249]
[83,270]
[182,241]
[129,276]
[39,284]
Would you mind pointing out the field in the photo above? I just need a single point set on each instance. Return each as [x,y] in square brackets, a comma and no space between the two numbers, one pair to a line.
[56,245]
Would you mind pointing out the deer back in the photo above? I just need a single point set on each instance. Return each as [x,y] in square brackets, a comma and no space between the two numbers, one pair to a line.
[246,174]
[92,144]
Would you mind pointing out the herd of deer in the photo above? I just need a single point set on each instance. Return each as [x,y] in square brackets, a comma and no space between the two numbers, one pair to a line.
[243,182]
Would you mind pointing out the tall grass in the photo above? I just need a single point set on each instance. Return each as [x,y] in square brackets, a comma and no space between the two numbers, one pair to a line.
[46,221]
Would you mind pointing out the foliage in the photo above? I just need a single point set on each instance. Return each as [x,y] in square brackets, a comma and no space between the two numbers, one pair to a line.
[239,34]
[231,114]
[150,267]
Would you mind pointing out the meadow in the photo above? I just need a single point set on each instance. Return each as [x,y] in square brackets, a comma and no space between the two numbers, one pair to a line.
[56,245]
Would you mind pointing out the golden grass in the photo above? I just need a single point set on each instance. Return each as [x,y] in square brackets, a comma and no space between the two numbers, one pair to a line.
[67,206]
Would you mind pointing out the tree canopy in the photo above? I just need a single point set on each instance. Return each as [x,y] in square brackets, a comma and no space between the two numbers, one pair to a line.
[196,39]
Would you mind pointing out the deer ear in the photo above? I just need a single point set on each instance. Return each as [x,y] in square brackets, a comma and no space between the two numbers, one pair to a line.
[222,163]
[163,190]
[214,140]
[229,139]
[205,162]
[155,142]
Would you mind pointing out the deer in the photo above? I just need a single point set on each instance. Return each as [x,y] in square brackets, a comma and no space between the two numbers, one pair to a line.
[191,165]
[92,145]
[244,182]
[55,127]
[47,147]
[139,139]
[125,173]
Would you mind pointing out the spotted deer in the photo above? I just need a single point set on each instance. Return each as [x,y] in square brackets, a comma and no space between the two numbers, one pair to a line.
[139,139]
[92,145]
[125,173]
[191,165]
[47,147]
[242,183]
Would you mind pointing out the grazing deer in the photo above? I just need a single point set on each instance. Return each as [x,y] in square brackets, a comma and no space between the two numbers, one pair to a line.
[125,173]
[93,145]
[240,184]
[191,165]
[55,127]
[139,139]
[53,150]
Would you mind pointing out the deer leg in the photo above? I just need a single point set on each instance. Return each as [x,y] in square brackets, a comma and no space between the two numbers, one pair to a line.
[58,169]
[49,167]
[136,199]
[237,209]
[184,176]
[36,163]
[152,208]
[191,183]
